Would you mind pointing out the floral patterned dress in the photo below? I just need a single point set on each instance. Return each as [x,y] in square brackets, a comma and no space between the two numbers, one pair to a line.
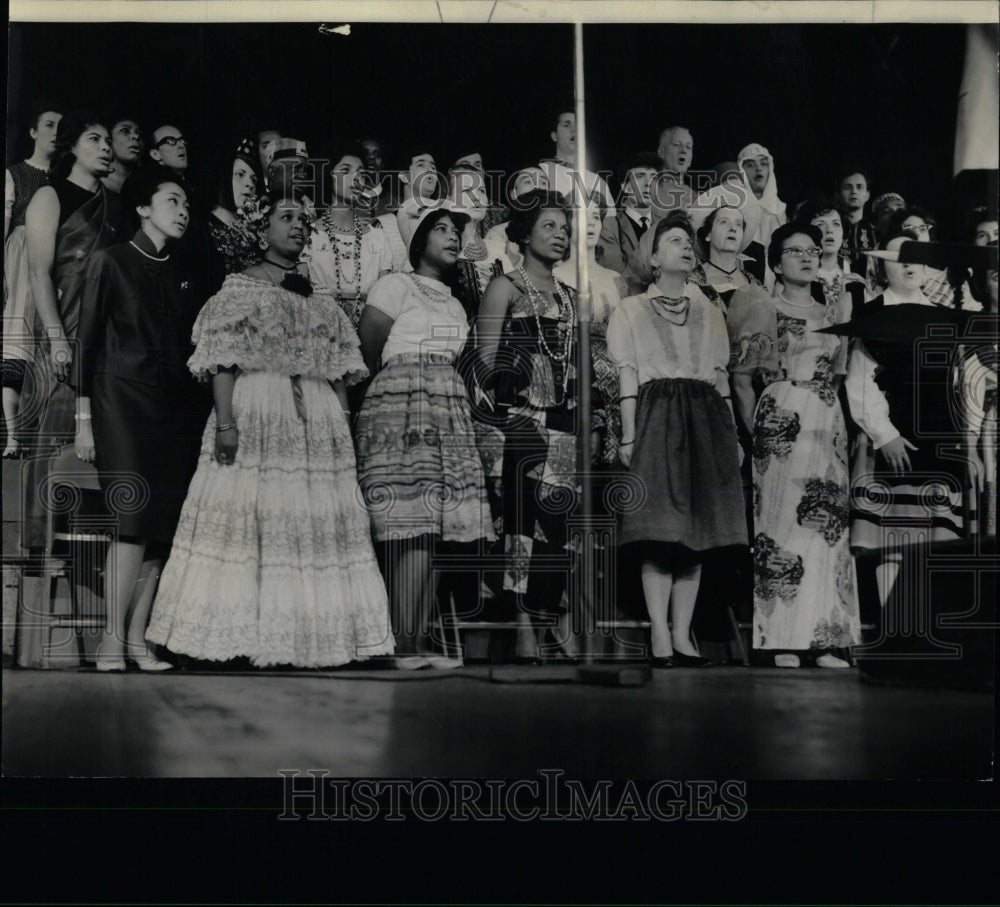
[804,578]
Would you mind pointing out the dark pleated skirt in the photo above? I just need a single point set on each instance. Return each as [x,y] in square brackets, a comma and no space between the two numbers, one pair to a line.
[687,457]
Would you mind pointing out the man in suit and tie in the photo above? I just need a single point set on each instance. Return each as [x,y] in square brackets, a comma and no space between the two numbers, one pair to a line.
[622,231]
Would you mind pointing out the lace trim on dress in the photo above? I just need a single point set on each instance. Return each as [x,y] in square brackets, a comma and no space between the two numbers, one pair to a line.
[256,326]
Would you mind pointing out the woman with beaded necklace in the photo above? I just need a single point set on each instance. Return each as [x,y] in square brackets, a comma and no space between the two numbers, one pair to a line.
[346,255]
[526,340]
[678,436]
[418,464]
[272,559]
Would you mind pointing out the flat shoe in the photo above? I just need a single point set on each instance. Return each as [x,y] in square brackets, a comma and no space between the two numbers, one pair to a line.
[443,662]
[410,662]
[787,660]
[658,661]
[145,660]
[831,661]
[690,661]
[109,664]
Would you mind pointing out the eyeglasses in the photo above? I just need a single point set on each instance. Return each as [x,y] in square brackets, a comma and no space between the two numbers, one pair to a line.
[172,140]
[796,252]
[919,228]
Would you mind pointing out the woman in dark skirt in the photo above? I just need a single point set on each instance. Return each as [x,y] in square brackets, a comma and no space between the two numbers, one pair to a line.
[678,436]
[137,407]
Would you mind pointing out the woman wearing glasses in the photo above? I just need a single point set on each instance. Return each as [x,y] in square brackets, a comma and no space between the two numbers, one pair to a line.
[678,436]
[805,599]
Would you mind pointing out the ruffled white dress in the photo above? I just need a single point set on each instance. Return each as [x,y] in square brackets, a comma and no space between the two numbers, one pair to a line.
[273,558]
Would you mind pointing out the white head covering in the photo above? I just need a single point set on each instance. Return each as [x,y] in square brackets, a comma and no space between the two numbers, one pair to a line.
[769,200]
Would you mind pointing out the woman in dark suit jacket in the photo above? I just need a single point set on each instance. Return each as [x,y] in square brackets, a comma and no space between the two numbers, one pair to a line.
[137,406]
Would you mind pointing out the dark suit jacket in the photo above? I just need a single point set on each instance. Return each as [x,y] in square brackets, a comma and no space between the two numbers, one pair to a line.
[618,247]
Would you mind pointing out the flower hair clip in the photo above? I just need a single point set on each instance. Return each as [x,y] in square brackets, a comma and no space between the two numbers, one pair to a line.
[251,219]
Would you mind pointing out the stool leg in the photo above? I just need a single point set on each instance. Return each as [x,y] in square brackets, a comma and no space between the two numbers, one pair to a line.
[741,650]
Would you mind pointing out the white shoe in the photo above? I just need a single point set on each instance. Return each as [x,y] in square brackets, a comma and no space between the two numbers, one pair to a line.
[410,662]
[831,661]
[443,662]
[787,660]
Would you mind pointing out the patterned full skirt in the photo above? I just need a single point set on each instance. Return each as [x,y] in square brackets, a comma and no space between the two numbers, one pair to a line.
[418,462]
[272,557]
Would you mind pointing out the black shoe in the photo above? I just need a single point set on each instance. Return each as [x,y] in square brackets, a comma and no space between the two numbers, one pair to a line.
[690,661]
[657,661]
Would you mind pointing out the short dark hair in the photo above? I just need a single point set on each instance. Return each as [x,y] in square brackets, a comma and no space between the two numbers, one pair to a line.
[817,206]
[850,171]
[71,127]
[638,159]
[526,212]
[778,237]
[142,185]
[674,219]
[903,214]
[418,242]
[35,110]
[557,111]
[121,115]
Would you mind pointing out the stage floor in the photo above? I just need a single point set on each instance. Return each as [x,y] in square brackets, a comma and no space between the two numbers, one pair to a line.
[724,722]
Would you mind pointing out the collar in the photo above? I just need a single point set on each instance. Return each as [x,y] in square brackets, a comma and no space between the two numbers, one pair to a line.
[690,290]
[145,245]
[634,214]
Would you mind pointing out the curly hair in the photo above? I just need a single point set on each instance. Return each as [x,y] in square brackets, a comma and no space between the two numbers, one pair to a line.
[525,213]
[71,127]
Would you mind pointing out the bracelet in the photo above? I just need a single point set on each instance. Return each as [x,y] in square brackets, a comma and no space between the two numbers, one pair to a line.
[225,426]
[628,397]
[626,443]
[82,417]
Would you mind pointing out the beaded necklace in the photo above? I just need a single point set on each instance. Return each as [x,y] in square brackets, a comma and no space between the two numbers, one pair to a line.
[335,232]
[432,294]
[567,317]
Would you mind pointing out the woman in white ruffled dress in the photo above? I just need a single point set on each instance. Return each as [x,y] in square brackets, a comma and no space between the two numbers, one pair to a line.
[272,558]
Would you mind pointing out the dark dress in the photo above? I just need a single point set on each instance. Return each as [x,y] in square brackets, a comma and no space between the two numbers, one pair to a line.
[88,222]
[148,412]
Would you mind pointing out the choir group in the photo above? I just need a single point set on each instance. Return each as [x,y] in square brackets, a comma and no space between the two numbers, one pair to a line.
[319,377]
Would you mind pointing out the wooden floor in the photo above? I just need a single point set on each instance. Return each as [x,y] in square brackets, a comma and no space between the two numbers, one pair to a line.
[477,722]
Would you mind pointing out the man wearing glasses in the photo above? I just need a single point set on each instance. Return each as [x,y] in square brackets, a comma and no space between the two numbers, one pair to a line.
[170,149]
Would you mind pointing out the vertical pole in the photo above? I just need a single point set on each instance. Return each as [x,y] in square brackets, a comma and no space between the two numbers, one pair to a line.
[585,315]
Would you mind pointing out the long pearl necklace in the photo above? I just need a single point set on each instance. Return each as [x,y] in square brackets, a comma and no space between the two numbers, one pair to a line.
[335,233]
[567,317]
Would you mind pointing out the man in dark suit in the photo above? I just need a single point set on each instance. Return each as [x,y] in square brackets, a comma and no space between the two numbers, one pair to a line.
[622,231]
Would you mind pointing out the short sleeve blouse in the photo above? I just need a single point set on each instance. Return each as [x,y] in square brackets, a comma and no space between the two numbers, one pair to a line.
[426,317]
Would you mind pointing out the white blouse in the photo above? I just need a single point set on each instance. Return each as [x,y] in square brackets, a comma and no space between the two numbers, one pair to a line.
[426,317]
